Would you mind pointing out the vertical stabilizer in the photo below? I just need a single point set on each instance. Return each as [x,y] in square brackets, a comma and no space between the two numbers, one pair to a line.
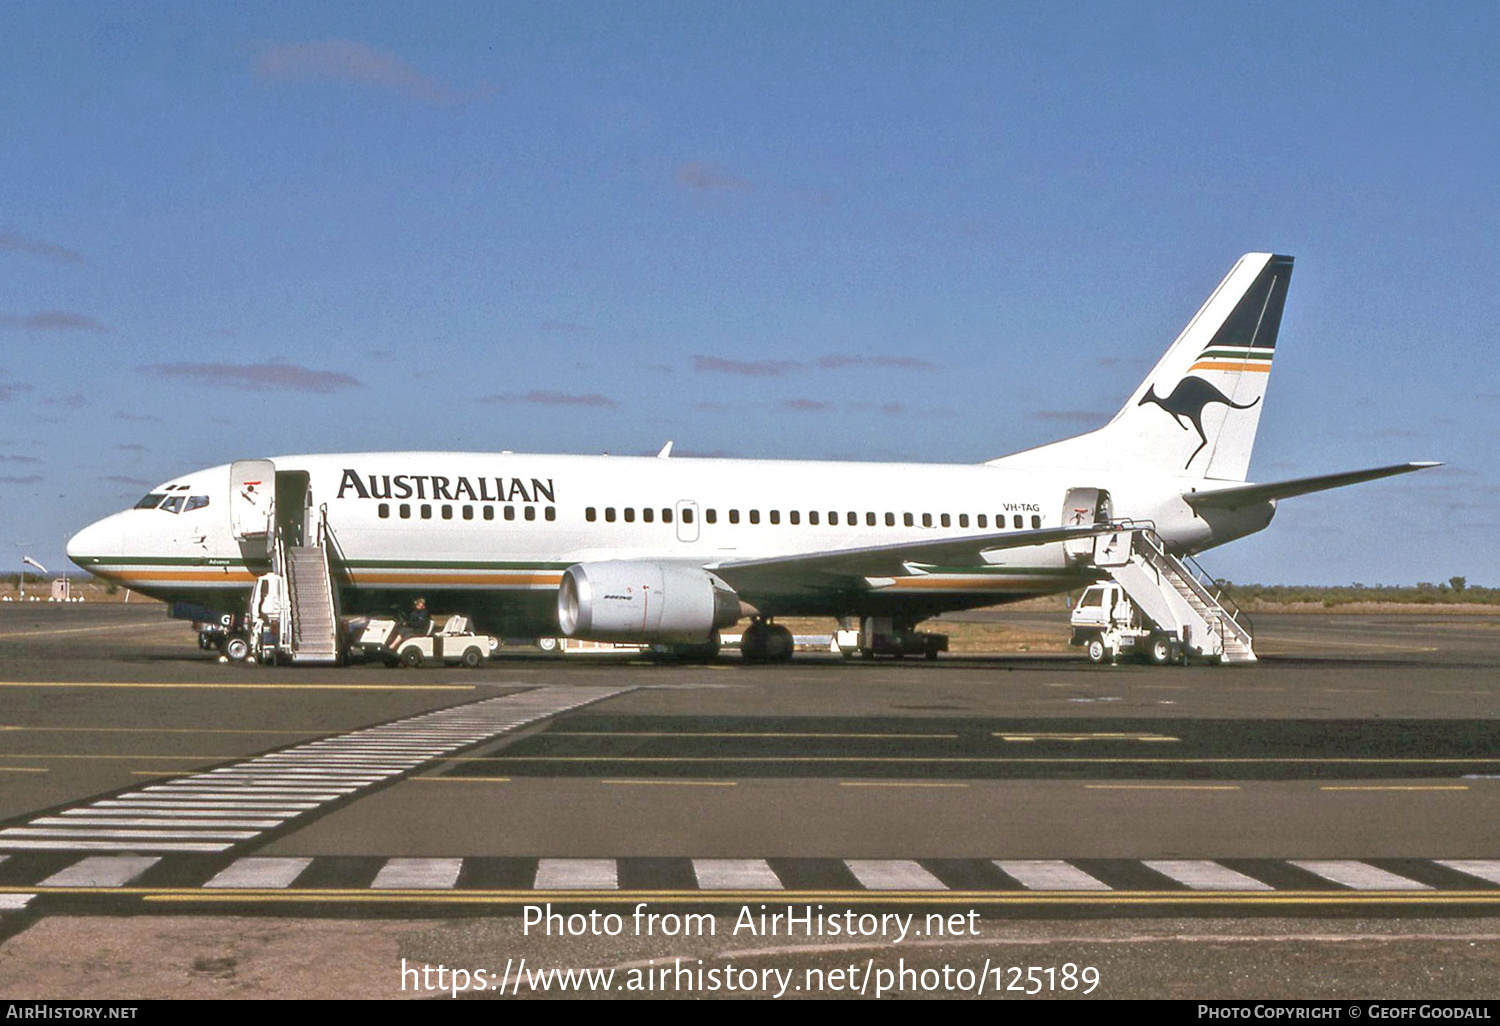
[1197,411]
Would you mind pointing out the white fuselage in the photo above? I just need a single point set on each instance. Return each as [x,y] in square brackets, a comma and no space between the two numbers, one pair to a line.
[492,533]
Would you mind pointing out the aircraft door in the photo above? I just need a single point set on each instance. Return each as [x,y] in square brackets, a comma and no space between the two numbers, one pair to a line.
[1081,507]
[687,520]
[293,496]
[252,499]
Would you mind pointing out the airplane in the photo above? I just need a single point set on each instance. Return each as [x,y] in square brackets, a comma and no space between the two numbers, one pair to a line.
[671,551]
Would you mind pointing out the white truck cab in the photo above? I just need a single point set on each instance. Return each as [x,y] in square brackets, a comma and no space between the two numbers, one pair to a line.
[1106,623]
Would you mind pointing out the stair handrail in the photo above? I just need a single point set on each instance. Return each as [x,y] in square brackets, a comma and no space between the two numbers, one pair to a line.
[1209,587]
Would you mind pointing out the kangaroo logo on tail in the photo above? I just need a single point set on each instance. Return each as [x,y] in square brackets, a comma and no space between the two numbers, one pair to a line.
[1187,401]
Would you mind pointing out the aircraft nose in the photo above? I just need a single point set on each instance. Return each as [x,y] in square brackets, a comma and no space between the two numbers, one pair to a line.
[101,538]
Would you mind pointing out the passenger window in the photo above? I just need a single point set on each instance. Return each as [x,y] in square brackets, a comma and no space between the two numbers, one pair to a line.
[489,513]
[447,512]
[150,501]
[963,520]
[666,514]
[890,520]
[630,514]
[812,517]
[795,516]
[926,519]
[775,516]
[982,520]
[530,512]
[1036,521]
[648,515]
[551,513]
[589,514]
[406,511]
[734,516]
[869,519]
[1017,520]
[687,514]
[383,511]
[426,511]
[906,518]
[833,518]
[510,513]
[195,502]
[609,513]
[468,512]
[711,515]
[755,516]
[173,503]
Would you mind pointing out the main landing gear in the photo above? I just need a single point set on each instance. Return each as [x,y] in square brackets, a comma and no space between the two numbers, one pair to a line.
[765,642]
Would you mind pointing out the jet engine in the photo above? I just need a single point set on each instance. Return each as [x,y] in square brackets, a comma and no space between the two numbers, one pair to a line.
[639,601]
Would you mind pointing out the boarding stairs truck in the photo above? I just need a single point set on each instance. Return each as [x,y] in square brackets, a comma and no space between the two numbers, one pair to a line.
[1153,603]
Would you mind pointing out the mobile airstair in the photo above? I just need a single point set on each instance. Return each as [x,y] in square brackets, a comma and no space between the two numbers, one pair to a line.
[1176,599]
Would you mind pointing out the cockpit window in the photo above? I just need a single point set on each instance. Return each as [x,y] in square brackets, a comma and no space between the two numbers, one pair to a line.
[150,501]
[195,502]
[173,503]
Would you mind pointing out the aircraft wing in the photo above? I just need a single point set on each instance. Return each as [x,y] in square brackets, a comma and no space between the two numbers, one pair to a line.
[892,560]
[1249,494]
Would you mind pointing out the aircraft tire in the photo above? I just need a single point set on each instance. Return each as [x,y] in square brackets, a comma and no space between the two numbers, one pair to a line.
[779,644]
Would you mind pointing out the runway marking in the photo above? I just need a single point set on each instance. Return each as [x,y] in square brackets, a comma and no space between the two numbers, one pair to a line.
[1049,875]
[997,760]
[1161,787]
[1395,788]
[1359,875]
[899,783]
[260,872]
[736,875]
[24,769]
[1044,736]
[414,880]
[1484,869]
[158,730]
[1205,875]
[294,781]
[577,874]
[893,875]
[431,779]
[675,783]
[14,902]
[212,686]
[101,871]
[413,874]
[143,625]
[745,734]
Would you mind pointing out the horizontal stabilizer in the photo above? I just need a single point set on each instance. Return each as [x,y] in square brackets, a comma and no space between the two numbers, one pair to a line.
[891,560]
[1247,495]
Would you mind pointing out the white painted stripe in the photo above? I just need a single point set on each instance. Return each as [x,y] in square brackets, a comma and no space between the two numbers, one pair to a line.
[19,844]
[227,796]
[428,874]
[577,874]
[1050,875]
[736,875]
[129,835]
[893,875]
[159,815]
[1204,875]
[101,871]
[260,871]
[291,808]
[1484,869]
[14,902]
[144,821]
[1358,875]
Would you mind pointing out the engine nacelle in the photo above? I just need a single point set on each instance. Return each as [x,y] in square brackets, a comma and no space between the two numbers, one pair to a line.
[639,601]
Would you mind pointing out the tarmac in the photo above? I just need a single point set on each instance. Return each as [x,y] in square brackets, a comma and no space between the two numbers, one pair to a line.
[1320,824]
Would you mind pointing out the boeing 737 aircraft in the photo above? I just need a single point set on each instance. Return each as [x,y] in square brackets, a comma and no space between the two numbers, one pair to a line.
[671,551]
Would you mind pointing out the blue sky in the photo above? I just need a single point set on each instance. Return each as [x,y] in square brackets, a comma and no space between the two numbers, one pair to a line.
[934,231]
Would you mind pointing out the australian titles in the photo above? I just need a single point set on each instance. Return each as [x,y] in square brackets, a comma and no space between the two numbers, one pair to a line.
[453,489]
